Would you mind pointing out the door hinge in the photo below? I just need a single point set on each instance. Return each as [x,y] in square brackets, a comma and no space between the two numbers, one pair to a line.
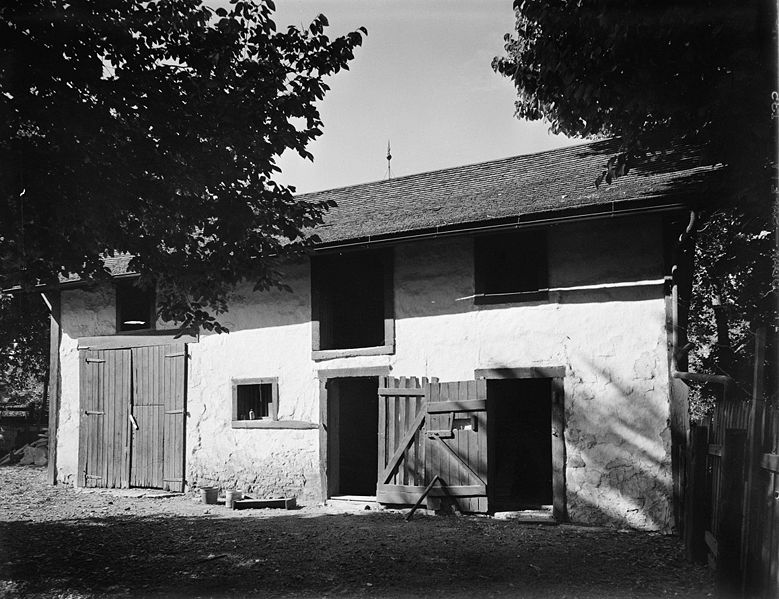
[175,412]
[93,412]
[95,361]
[178,355]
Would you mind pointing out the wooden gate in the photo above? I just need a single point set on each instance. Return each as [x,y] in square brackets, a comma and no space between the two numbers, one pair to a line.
[104,440]
[456,440]
[133,417]
[428,429]
[401,441]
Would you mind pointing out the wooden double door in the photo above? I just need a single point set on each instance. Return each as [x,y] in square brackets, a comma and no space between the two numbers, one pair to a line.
[133,414]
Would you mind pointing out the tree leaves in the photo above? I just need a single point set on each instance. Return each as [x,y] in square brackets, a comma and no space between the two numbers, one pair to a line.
[153,129]
[663,74]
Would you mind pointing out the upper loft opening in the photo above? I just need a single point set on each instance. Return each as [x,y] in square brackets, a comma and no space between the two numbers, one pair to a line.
[352,299]
[509,266]
[135,307]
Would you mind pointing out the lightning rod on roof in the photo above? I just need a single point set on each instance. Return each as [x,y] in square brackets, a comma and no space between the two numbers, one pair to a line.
[389,159]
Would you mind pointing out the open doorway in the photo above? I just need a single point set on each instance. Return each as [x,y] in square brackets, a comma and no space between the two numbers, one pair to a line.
[520,444]
[352,417]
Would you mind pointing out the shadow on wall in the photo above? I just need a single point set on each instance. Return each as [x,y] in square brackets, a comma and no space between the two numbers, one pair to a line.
[349,555]
[618,459]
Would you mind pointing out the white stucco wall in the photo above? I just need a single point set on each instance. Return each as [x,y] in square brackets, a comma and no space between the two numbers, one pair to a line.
[611,341]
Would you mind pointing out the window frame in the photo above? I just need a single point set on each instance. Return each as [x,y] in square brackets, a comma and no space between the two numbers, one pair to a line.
[273,408]
[541,294]
[388,347]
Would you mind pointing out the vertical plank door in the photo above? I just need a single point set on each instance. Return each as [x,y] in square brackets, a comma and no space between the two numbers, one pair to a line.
[103,453]
[456,441]
[158,410]
[174,372]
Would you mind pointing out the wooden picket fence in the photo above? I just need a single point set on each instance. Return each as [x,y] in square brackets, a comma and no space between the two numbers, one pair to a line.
[731,507]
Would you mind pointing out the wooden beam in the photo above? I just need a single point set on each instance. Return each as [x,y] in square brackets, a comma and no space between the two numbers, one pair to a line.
[559,494]
[532,372]
[338,373]
[703,378]
[140,339]
[469,405]
[410,493]
[392,391]
[275,424]
[323,437]
[54,303]
[331,354]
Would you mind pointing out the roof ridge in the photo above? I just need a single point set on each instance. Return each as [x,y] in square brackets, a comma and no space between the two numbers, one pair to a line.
[455,168]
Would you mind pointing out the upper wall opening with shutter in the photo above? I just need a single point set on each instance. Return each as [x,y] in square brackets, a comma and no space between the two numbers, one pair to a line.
[509,266]
[135,307]
[352,301]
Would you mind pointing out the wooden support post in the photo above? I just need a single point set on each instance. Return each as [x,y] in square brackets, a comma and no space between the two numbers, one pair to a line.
[729,530]
[52,301]
[696,496]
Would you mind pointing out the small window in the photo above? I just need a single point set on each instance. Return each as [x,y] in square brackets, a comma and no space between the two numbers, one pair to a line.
[511,266]
[255,399]
[135,307]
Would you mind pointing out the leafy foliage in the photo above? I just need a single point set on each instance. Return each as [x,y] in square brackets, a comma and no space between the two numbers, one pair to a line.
[663,73]
[152,128]
[24,350]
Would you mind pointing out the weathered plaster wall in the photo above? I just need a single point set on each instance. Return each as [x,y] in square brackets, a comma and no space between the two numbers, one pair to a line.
[611,341]
[270,337]
[84,313]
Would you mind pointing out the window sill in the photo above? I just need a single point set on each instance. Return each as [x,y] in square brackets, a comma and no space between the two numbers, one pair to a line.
[329,354]
[277,424]
[541,295]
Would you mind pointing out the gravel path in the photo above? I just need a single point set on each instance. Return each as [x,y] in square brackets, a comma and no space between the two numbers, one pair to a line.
[66,543]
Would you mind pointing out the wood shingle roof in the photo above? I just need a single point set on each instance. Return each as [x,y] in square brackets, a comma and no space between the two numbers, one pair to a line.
[520,187]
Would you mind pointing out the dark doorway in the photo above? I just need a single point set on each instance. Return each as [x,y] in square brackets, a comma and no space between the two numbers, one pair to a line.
[520,443]
[353,416]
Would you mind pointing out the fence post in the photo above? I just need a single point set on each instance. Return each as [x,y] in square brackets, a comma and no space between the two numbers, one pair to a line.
[696,496]
[729,529]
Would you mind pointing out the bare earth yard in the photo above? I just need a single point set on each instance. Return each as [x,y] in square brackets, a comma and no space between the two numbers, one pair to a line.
[60,542]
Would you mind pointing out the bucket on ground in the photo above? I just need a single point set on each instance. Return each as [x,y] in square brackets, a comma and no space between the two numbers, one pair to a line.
[231,497]
[208,494]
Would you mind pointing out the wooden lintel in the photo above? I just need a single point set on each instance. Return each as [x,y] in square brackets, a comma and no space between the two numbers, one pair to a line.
[145,339]
[275,424]
[333,373]
[530,372]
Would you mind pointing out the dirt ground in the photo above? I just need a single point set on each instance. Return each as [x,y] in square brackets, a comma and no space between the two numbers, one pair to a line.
[67,543]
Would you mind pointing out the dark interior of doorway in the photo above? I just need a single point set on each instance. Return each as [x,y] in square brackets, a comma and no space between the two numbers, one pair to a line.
[357,405]
[520,463]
